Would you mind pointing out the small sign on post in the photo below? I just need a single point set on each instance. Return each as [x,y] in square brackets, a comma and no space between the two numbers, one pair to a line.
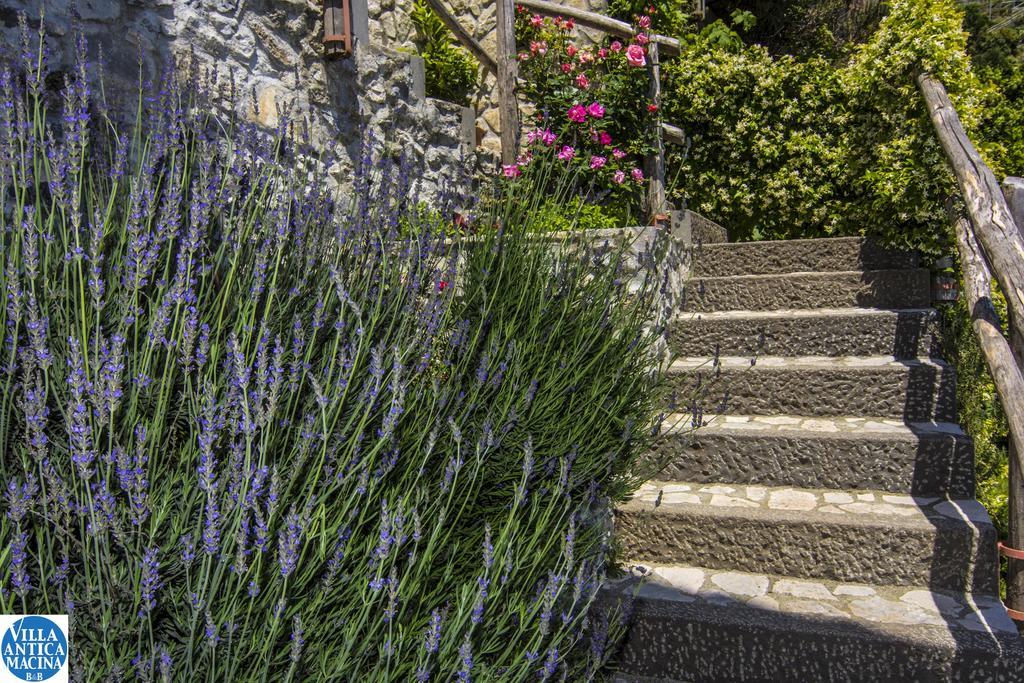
[337,29]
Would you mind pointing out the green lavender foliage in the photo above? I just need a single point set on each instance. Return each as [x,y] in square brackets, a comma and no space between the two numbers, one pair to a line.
[451,73]
[253,433]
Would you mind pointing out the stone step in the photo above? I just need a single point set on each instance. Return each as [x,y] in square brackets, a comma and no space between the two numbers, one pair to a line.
[698,624]
[921,458]
[792,256]
[908,333]
[889,289]
[850,536]
[816,386]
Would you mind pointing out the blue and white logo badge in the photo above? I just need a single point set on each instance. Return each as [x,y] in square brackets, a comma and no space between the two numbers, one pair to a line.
[34,647]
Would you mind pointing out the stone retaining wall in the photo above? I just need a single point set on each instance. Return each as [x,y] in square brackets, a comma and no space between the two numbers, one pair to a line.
[271,51]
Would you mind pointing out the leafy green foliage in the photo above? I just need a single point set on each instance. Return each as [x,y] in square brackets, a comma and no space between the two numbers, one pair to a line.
[787,147]
[668,17]
[451,72]
[980,413]
[574,213]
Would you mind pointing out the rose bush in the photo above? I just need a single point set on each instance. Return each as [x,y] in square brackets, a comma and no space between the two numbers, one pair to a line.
[592,111]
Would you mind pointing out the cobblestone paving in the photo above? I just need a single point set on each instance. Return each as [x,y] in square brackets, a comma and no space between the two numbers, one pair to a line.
[862,603]
[808,500]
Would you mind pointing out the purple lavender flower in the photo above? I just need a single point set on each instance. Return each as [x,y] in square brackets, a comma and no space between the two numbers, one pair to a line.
[432,639]
[211,631]
[21,499]
[488,547]
[288,540]
[188,550]
[165,664]
[150,581]
[19,561]
[297,639]
[466,658]
[79,430]
[211,525]
[550,664]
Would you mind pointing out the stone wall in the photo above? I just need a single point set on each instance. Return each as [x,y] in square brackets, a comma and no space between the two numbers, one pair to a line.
[391,27]
[271,51]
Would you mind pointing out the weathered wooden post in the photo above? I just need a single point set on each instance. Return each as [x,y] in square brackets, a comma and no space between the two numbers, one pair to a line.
[1001,244]
[508,107]
[654,164]
[1013,190]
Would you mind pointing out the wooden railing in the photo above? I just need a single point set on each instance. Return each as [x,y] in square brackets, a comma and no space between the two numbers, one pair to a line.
[991,245]
[505,67]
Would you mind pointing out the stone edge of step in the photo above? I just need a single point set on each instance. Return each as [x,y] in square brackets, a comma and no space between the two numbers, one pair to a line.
[799,506]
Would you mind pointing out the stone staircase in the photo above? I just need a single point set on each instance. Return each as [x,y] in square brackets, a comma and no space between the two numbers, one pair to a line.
[824,527]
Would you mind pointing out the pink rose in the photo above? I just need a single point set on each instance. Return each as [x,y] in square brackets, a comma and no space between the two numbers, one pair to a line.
[511,170]
[619,177]
[566,153]
[539,47]
[582,81]
[642,39]
[586,57]
[571,50]
[606,138]
[566,68]
[596,110]
[523,56]
[615,46]
[577,113]
[536,21]
[644,21]
[618,153]
[636,56]
[597,162]
[602,53]
[547,137]
[637,174]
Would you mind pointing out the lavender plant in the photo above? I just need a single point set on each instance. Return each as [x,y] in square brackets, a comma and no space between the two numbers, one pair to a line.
[253,432]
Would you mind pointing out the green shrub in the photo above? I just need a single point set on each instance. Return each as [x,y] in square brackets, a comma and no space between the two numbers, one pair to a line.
[574,213]
[250,434]
[980,413]
[784,147]
[450,71]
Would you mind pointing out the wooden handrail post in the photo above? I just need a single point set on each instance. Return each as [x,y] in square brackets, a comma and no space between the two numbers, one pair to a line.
[654,163]
[1013,191]
[991,244]
[508,108]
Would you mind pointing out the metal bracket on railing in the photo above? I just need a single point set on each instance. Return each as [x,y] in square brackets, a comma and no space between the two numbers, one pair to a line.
[337,28]
[1011,554]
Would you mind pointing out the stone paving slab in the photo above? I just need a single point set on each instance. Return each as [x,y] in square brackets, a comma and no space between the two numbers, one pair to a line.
[821,501]
[871,604]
